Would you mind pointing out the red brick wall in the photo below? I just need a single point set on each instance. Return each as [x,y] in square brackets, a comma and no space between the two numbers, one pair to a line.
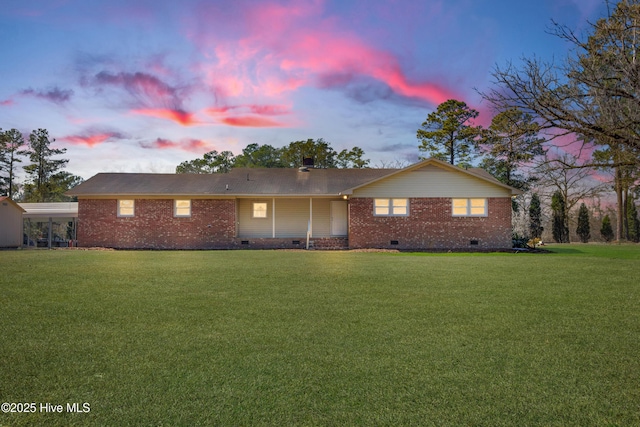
[429,225]
[211,225]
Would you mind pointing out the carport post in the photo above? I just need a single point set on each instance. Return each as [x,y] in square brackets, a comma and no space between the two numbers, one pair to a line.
[50,227]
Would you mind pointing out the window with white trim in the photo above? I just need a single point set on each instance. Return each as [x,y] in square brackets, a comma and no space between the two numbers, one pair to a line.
[126,207]
[391,207]
[469,207]
[182,208]
[259,210]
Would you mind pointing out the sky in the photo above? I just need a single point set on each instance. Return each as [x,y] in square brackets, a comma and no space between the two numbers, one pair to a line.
[143,85]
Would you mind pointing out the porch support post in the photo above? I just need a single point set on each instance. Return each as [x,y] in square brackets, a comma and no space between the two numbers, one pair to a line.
[273,217]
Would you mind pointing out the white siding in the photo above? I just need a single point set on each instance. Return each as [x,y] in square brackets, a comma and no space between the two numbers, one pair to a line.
[321,217]
[10,225]
[292,218]
[432,181]
[253,227]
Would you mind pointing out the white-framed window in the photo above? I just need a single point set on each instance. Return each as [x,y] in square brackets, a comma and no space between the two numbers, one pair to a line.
[391,207]
[259,210]
[469,207]
[126,207]
[182,208]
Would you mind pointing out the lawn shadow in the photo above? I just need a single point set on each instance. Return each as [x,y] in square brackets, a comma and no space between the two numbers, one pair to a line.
[565,251]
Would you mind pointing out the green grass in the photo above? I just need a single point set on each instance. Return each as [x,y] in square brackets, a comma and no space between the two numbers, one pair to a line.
[323,338]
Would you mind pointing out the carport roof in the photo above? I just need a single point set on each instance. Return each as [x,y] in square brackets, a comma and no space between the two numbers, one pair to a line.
[50,210]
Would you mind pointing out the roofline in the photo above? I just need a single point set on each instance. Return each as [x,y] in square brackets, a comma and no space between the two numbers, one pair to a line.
[205,195]
[3,198]
[514,191]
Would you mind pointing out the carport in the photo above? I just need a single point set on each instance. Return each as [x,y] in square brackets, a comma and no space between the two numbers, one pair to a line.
[54,214]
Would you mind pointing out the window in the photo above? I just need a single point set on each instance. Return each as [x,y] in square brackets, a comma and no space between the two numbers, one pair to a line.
[469,207]
[126,207]
[259,210]
[182,208]
[391,207]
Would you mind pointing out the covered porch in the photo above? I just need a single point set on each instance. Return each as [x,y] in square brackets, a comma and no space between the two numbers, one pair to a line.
[302,221]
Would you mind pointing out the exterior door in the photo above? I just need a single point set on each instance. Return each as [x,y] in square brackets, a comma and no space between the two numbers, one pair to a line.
[339,222]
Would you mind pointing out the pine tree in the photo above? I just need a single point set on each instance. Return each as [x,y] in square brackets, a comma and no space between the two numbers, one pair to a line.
[584,229]
[42,166]
[11,151]
[535,217]
[606,231]
[559,227]
[448,134]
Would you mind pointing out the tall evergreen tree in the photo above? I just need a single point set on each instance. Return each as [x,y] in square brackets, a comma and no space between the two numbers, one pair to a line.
[633,223]
[559,226]
[11,153]
[43,166]
[535,217]
[584,229]
[448,134]
[606,230]
[510,142]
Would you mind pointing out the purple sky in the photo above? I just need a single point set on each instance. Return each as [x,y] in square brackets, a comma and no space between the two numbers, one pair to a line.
[140,86]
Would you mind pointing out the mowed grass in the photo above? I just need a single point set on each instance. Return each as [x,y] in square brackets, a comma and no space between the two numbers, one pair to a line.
[239,338]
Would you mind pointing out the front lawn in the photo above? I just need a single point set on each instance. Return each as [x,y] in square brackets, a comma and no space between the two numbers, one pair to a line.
[322,338]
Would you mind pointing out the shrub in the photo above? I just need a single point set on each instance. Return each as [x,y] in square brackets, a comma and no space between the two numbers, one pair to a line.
[584,229]
[606,230]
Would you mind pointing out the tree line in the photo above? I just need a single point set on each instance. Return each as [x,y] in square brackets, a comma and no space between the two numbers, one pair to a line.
[267,156]
[46,180]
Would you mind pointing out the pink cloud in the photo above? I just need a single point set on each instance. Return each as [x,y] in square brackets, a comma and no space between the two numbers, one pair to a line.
[277,48]
[178,116]
[251,121]
[7,102]
[90,140]
[192,145]
[251,115]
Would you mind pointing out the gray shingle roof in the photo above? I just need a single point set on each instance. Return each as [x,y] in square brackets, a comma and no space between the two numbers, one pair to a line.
[238,182]
[251,181]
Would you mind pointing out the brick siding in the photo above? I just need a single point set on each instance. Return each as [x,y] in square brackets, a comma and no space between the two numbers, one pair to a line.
[211,225]
[430,225]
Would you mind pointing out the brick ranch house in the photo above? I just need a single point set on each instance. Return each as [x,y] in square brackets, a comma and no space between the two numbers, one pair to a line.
[428,205]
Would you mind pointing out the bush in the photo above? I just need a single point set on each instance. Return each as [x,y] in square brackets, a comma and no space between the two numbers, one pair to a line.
[584,229]
[606,230]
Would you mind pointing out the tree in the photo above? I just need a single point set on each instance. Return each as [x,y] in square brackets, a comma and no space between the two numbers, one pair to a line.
[259,156]
[11,143]
[447,133]
[612,158]
[535,217]
[560,228]
[606,231]
[511,142]
[566,174]
[632,221]
[211,162]
[593,93]
[352,159]
[42,167]
[319,150]
[58,184]
[584,229]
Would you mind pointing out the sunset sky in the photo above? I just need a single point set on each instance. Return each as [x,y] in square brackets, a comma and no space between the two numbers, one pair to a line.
[140,86]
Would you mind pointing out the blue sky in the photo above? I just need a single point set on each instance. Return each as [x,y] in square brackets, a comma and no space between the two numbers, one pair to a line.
[140,86]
